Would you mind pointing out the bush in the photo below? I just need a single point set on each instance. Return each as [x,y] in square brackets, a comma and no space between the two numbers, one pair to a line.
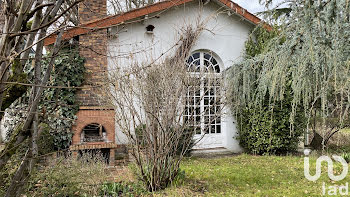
[188,133]
[11,167]
[122,189]
[46,141]
[139,131]
[69,177]
[262,131]
[340,140]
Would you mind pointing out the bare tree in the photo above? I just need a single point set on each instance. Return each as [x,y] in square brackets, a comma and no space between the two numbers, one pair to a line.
[117,6]
[154,109]
[27,24]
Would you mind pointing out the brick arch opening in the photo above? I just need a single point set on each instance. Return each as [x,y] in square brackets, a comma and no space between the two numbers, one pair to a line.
[93,132]
[99,124]
[86,117]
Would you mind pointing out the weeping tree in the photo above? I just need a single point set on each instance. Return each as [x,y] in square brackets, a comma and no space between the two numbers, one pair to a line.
[307,62]
[275,10]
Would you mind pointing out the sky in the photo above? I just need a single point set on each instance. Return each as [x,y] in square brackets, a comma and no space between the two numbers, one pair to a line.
[253,6]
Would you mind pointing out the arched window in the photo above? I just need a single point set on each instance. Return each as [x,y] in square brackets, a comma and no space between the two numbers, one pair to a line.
[203,106]
[202,61]
[93,132]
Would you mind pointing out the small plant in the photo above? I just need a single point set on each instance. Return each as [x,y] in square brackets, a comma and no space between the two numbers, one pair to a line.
[180,179]
[346,156]
[122,189]
[69,177]
[10,168]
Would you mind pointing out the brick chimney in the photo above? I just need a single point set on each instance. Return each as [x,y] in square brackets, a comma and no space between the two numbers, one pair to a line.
[91,10]
[93,47]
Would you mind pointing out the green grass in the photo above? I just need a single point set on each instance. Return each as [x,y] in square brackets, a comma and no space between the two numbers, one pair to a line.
[247,175]
[347,130]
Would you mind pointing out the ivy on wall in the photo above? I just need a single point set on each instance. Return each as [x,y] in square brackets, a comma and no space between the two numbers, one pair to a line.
[58,106]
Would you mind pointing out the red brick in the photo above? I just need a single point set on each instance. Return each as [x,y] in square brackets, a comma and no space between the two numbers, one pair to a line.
[100,116]
[93,47]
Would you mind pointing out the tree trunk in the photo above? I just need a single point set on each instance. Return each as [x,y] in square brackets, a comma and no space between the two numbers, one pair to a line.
[18,179]
[21,132]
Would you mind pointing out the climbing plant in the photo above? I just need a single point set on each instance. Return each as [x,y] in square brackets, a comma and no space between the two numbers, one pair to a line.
[58,106]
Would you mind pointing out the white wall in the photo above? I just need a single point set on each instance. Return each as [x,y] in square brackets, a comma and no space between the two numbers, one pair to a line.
[224,35]
[2,130]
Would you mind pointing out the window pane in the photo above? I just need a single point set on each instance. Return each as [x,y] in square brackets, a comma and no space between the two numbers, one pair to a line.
[206,91]
[207,56]
[195,56]
[198,130]
[217,68]
[206,100]
[206,130]
[189,60]
[212,130]
[218,128]
[213,61]
[212,101]
[198,110]
[218,120]
[198,119]
[206,120]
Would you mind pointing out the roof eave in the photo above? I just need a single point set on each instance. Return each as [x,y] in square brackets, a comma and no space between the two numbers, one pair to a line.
[134,14]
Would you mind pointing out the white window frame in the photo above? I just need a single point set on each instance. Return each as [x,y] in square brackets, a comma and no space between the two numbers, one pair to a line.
[204,74]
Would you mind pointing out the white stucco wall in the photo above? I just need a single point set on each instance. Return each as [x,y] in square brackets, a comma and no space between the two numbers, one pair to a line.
[2,130]
[225,35]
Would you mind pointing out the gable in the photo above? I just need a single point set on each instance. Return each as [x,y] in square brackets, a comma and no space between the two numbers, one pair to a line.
[157,7]
[224,34]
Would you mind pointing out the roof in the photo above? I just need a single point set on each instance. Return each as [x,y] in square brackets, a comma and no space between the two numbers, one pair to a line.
[133,14]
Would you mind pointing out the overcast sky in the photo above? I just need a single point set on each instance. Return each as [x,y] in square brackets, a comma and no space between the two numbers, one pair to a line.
[253,6]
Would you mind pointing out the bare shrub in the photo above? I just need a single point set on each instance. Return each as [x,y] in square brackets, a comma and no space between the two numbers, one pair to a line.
[152,100]
[340,139]
[69,177]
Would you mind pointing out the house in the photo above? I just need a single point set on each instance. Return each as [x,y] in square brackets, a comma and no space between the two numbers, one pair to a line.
[151,30]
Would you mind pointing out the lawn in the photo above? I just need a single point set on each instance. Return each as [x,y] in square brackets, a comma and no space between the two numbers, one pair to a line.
[347,130]
[247,175]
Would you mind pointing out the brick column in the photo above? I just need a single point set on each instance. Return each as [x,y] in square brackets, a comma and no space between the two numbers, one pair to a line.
[75,154]
[93,47]
[112,157]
